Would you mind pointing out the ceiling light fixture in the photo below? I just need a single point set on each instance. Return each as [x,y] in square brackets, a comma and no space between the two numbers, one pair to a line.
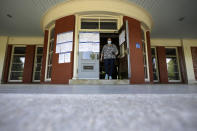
[8,15]
[181,19]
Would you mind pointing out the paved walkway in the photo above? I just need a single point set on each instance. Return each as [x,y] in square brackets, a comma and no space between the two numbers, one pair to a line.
[98,108]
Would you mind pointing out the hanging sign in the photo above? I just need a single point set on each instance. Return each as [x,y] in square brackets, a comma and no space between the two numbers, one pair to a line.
[64,46]
[122,37]
[89,42]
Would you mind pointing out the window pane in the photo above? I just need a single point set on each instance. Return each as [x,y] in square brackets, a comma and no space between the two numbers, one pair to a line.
[173,76]
[37,76]
[52,33]
[19,59]
[172,69]
[16,76]
[38,67]
[153,51]
[39,50]
[171,51]
[19,50]
[17,67]
[172,65]
[155,76]
[49,72]
[39,59]
[89,24]
[145,72]
[142,33]
[108,25]
[51,45]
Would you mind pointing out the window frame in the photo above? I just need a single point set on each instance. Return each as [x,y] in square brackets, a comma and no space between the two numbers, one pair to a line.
[47,57]
[100,17]
[35,63]
[178,63]
[11,62]
[146,49]
[157,67]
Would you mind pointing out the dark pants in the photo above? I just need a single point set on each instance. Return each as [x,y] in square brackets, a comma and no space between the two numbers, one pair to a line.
[109,66]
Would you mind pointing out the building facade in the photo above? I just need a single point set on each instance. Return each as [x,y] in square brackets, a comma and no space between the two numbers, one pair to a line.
[74,34]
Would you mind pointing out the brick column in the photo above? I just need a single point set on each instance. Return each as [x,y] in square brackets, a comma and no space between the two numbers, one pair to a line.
[161,57]
[29,64]
[61,73]
[7,64]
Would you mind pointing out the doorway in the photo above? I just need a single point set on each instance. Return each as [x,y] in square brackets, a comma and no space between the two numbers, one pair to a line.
[115,41]
[90,47]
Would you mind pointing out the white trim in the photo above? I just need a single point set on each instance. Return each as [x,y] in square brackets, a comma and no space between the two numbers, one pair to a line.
[178,63]
[156,62]
[76,48]
[72,7]
[47,55]
[147,62]
[11,63]
[99,17]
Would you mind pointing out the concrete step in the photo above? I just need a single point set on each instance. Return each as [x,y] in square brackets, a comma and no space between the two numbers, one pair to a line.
[98,82]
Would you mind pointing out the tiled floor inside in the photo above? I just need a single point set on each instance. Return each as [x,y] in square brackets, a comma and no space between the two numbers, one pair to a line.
[98,108]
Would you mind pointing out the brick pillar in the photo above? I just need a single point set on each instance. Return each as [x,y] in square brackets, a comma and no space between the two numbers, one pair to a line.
[161,57]
[61,73]
[29,64]
[7,64]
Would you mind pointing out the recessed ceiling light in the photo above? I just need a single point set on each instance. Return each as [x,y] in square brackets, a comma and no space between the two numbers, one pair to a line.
[181,19]
[8,15]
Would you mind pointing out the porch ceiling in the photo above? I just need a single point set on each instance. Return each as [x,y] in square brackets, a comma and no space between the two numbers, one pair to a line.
[172,18]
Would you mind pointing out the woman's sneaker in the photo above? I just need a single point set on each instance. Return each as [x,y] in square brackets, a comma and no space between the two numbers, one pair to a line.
[106,77]
[110,78]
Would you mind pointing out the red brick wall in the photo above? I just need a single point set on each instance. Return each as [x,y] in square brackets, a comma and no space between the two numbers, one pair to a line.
[149,56]
[7,64]
[194,58]
[29,64]
[136,54]
[61,73]
[42,77]
[161,56]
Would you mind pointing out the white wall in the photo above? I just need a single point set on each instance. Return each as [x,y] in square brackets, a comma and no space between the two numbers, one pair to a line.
[3,46]
[187,44]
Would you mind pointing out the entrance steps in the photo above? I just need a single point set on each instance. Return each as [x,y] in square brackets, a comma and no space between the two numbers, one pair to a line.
[98,82]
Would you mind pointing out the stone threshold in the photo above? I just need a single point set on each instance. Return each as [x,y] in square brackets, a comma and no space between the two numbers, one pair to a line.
[98,82]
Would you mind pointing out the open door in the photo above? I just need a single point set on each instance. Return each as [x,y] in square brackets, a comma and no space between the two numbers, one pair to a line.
[124,57]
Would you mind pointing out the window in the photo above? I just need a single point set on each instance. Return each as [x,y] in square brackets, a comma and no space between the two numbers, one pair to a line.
[37,64]
[172,64]
[155,65]
[17,64]
[144,48]
[97,23]
[50,54]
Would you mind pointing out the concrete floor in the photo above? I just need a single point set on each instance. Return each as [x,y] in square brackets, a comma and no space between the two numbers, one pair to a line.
[98,108]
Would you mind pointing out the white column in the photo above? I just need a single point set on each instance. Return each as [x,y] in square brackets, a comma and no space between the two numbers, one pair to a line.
[76,48]
[187,44]
[3,46]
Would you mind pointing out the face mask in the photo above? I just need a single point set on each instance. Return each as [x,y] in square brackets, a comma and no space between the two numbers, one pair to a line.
[109,42]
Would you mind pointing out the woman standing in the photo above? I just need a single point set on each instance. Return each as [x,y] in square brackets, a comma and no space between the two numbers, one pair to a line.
[109,53]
